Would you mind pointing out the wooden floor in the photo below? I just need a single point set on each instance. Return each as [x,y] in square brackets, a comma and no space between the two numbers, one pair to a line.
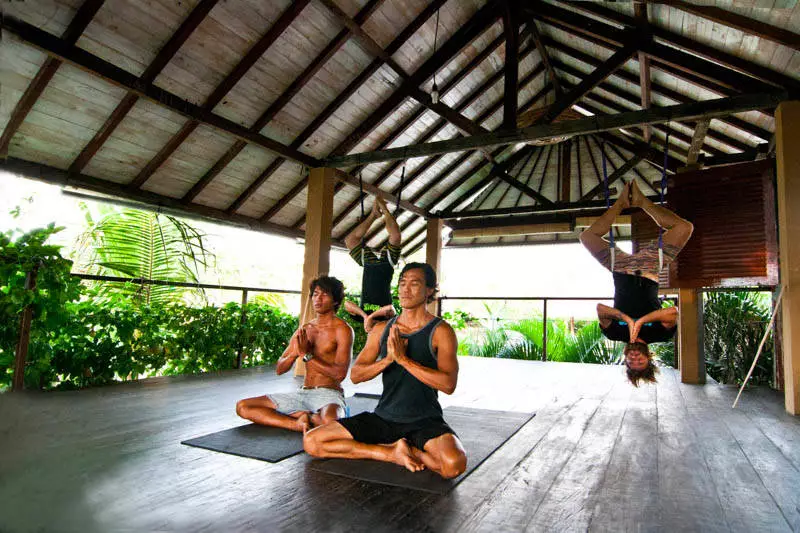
[599,456]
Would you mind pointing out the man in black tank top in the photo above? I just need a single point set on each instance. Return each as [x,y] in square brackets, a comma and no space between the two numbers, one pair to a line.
[416,355]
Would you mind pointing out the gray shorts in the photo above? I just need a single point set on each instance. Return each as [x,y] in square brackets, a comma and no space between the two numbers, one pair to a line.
[306,400]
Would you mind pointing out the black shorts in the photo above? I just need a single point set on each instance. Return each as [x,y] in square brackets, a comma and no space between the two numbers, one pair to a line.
[370,428]
[650,332]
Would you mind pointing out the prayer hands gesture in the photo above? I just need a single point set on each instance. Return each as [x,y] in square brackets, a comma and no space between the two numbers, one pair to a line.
[635,327]
[396,346]
[302,340]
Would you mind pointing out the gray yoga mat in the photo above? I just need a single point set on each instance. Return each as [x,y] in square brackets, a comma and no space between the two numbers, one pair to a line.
[266,443]
[480,431]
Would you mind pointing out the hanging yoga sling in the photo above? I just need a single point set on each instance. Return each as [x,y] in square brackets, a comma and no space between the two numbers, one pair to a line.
[662,194]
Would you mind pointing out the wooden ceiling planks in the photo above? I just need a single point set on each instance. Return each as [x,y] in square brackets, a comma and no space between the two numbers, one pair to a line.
[202,169]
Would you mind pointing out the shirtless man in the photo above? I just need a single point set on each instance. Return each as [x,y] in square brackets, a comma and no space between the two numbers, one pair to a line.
[326,346]
[416,355]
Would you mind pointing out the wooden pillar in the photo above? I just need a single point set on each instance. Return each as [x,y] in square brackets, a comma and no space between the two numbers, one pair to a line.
[21,354]
[433,251]
[319,223]
[691,359]
[787,151]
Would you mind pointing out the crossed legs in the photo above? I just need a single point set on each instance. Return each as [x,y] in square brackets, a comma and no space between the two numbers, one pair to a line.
[444,454]
[262,410]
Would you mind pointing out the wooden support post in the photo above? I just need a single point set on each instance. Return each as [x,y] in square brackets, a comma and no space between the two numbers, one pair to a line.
[690,337]
[787,138]
[319,218]
[21,355]
[433,251]
[242,321]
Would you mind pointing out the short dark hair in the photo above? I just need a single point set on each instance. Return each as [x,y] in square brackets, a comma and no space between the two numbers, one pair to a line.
[430,276]
[332,286]
[649,373]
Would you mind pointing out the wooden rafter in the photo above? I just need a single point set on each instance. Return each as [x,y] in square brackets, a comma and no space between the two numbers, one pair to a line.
[640,13]
[76,27]
[480,21]
[434,130]
[537,39]
[57,176]
[78,57]
[288,94]
[458,120]
[699,136]
[707,52]
[580,208]
[662,90]
[714,69]
[613,177]
[510,87]
[247,62]
[161,60]
[741,23]
[705,109]
[460,160]
[622,96]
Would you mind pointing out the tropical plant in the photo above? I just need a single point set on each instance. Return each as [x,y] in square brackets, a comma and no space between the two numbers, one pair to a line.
[146,245]
[21,254]
[734,323]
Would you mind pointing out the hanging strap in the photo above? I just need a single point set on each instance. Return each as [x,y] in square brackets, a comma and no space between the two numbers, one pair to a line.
[662,194]
[361,188]
[400,190]
[608,206]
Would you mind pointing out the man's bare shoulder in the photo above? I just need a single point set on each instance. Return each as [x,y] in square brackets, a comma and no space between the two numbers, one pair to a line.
[443,328]
[340,324]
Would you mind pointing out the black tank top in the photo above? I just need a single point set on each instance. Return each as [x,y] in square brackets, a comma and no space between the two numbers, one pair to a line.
[635,295]
[376,283]
[405,398]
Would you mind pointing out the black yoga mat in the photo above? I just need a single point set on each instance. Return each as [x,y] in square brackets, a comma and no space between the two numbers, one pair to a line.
[480,431]
[266,443]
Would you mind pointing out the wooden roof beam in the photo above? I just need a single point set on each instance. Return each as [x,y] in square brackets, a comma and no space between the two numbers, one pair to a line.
[640,13]
[434,130]
[308,73]
[632,80]
[577,209]
[79,58]
[697,110]
[375,191]
[74,30]
[250,59]
[159,202]
[741,23]
[537,39]
[511,79]
[707,52]
[326,113]
[482,20]
[164,56]
[698,137]
[455,164]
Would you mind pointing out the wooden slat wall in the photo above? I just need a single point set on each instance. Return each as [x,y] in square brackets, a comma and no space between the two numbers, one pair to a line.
[734,242]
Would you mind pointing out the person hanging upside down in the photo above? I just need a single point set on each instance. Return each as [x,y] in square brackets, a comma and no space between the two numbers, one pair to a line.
[376,294]
[416,355]
[637,317]
[326,346]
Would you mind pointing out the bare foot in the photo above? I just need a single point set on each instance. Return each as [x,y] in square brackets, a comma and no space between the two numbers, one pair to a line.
[303,423]
[404,456]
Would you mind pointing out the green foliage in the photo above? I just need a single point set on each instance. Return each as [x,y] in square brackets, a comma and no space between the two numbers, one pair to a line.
[87,336]
[21,253]
[459,319]
[734,323]
[142,244]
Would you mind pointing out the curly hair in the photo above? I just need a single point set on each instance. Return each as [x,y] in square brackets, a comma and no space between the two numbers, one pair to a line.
[648,374]
[332,286]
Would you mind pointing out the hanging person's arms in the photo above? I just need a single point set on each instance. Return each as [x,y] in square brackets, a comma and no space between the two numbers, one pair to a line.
[385,312]
[392,228]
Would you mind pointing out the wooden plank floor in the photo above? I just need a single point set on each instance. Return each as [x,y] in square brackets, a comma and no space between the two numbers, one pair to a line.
[600,456]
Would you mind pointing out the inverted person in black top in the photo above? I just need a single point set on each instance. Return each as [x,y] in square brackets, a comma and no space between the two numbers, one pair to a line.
[416,355]
[637,317]
[376,295]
